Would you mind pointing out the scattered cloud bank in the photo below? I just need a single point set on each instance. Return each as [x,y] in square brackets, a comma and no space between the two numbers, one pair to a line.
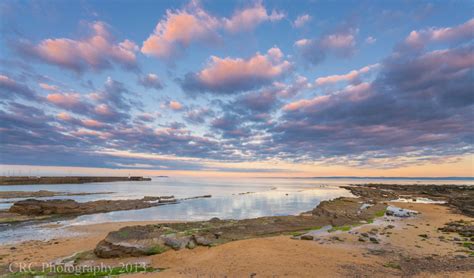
[179,28]
[230,75]
[97,51]
[340,44]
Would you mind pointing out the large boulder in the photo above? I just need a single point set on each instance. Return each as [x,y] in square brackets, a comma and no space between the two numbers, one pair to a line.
[45,207]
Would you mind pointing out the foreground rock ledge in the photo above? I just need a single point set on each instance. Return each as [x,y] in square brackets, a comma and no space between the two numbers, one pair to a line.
[155,239]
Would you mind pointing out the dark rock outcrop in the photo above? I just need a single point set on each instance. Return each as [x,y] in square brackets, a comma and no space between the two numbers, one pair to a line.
[70,207]
[459,197]
[345,210]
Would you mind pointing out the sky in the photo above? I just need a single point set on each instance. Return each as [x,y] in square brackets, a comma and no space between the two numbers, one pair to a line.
[237,88]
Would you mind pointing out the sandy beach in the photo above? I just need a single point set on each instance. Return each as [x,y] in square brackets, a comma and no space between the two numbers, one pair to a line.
[335,254]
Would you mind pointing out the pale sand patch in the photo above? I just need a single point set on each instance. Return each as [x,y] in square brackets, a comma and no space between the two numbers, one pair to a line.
[47,251]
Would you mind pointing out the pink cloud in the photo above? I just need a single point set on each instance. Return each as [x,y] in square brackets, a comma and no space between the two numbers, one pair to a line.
[339,40]
[104,110]
[64,116]
[305,103]
[352,92]
[301,20]
[418,39]
[92,123]
[48,87]
[181,27]
[175,105]
[178,29]
[350,76]
[91,133]
[223,70]
[236,74]
[97,51]
[65,100]
[248,18]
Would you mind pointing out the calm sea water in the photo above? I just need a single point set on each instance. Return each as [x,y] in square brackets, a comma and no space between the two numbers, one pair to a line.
[268,197]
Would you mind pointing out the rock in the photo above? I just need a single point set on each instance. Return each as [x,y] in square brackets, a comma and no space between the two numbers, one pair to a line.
[390,226]
[202,241]
[362,239]
[423,235]
[364,234]
[456,239]
[342,210]
[463,228]
[399,212]
[336,238]
[34,207]
[374,240]
[176,243]
[307,237]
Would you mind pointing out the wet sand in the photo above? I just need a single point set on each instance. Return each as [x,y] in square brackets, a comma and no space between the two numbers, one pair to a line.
[282,256]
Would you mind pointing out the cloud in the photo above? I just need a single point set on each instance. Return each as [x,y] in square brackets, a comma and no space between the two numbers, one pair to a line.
[151,81]
[301,20]
[370,40]
[246,19]
[339,44]
[231,75]
[230,126]
[198,116]
[418,105]
[146,117]
[114,94]
[67,101]
[350,76]
[284,90]
[48,87]
[11,89]
[179,28]
[175,105]
[97,51]
[417,39]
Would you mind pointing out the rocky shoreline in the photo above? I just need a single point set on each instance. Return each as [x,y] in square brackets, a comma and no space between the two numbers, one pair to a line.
[371,202]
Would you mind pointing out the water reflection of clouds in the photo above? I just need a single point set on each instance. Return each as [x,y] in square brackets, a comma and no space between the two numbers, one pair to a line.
[229,207]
